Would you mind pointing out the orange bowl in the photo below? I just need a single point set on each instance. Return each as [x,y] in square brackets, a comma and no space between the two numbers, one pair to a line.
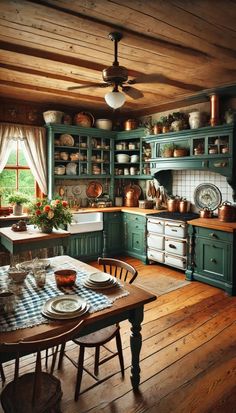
[65,278]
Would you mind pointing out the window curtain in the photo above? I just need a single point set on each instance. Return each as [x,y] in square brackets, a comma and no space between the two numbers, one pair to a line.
[33,140]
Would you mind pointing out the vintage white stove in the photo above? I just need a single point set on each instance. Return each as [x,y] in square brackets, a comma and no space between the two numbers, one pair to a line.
[167,238]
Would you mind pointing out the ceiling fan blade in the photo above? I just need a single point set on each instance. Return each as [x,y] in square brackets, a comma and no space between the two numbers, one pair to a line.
[146,78]
[89,85]
[158,78]
[132,92]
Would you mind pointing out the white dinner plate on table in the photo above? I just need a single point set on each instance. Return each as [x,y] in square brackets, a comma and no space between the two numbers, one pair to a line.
[48,311]
[67,304]
[100,277]
[97,286]
[31,265]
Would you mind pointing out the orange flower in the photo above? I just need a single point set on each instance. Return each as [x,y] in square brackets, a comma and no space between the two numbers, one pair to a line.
[47,208]
[38,212]
[64,203]
[38,204]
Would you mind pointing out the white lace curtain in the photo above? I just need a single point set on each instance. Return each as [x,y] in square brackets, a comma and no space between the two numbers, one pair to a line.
[34,145]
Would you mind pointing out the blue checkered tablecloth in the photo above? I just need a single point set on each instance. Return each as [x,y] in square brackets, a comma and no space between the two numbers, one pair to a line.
[30,298]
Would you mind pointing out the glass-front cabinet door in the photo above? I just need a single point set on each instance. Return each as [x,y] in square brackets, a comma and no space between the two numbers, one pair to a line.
[77,153]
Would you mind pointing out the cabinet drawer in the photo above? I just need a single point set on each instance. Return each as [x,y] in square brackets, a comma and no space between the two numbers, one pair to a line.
[155,226]
[155,255]
[155,241]
[134,218]
[112,216]
[175,246]
[176,261]
[214,234]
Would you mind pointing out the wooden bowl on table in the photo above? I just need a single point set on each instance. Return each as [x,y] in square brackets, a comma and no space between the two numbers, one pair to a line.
[65,278]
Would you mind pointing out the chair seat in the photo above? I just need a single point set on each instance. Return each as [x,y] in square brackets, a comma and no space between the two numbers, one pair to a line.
[14,400]
[99,337]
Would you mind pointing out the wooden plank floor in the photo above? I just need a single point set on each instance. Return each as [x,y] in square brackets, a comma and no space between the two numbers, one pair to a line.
[188,357]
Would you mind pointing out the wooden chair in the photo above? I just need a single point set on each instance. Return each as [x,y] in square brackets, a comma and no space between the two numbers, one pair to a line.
[36,392]
[127,273]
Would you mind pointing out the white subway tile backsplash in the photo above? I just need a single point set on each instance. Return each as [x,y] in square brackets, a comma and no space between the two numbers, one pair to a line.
[185,182]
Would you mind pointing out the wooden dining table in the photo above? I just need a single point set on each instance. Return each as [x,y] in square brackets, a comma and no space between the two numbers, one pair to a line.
[129,307]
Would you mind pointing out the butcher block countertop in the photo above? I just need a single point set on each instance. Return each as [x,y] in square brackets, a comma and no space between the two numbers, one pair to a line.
[131,210]
[214,223]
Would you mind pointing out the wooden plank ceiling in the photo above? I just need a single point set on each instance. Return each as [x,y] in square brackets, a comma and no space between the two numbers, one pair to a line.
[178,51]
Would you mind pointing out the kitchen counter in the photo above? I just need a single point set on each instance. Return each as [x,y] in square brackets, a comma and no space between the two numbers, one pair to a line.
[214,223]
[131,210]
[13,217]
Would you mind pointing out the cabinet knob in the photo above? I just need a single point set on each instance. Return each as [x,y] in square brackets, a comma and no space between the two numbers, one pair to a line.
[213,260]
[213,235]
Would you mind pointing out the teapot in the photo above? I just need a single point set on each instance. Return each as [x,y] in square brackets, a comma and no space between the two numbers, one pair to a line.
[205,213]
[226,212]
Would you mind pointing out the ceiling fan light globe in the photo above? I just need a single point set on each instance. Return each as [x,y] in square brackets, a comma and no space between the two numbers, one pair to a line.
[115,99]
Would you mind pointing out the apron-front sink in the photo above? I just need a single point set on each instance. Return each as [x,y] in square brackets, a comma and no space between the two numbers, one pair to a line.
[86,222]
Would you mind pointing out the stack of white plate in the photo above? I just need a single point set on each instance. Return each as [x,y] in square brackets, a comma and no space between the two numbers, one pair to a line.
[64,307]
[100,281]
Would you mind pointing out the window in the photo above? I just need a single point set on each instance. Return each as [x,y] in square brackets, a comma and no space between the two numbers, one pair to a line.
[17,176]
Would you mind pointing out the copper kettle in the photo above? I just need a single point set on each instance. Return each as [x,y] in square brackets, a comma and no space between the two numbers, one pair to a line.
[226,212]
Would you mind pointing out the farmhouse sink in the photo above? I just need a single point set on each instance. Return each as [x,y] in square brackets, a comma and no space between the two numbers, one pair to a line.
[86,222]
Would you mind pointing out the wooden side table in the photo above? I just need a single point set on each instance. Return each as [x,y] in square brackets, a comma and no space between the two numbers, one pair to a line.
[26,241]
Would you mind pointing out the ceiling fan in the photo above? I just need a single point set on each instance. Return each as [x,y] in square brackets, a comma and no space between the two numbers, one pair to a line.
[117,77]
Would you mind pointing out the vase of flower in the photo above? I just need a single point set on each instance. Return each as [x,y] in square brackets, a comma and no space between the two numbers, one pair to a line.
[48,214]
[47,229]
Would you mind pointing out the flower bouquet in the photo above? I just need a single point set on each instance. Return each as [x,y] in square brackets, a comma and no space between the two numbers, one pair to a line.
[46,214]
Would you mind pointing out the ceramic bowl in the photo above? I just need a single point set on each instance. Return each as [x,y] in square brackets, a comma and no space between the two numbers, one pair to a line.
[65,278]
[103,124]
[18,276]
[122,158]
[52,116]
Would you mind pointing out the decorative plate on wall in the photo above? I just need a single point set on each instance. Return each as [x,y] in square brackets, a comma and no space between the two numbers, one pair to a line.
[94,189]
[207,196]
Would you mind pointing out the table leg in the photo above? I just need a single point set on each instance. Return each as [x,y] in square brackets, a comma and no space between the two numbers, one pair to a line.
[135,318]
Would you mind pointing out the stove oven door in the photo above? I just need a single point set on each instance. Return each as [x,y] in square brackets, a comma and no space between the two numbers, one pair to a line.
[176,229]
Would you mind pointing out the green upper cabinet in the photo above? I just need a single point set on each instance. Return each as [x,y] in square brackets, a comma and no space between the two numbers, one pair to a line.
[208,148]
[76,153]
[136,163]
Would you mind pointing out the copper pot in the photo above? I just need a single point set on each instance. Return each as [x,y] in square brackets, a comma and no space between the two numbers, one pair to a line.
[226,212]
[184,206]
[205,213]
[130,124]
[173,205]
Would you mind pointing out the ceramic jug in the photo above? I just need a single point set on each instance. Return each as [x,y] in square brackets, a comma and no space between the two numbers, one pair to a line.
[195,120]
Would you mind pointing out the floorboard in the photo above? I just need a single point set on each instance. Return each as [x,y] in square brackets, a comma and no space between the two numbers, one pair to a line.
[188,357]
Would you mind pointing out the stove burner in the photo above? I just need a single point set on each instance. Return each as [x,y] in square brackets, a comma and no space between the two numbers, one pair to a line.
[178,216]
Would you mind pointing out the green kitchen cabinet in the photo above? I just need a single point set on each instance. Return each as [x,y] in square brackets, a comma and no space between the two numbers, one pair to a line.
[79,153]
[112,234]
[133,144]
[209,148]
[211,258]
[134,235]
[86,246]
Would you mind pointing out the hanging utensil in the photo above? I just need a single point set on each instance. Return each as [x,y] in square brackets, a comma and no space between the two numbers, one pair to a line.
[61,191]
[149,192]
[153,190]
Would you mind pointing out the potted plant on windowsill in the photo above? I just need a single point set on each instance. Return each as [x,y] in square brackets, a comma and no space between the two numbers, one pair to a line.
[17,200]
